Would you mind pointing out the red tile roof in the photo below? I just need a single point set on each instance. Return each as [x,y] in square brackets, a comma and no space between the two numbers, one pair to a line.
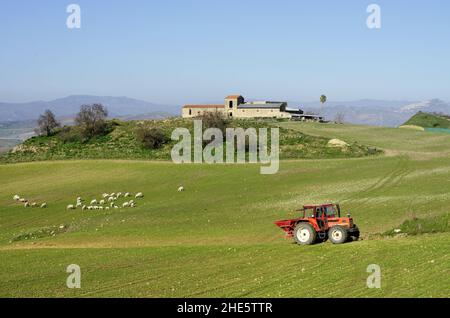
[204,106]
[233,96]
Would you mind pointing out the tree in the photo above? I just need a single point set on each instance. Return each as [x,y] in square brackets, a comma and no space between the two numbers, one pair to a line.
[47,123]
[323,100]
[92,119]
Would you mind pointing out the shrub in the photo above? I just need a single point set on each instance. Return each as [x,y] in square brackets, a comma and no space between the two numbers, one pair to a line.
[151,137]
[214,120]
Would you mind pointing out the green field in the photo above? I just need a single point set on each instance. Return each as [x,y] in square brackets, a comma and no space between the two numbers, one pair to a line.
[218,238]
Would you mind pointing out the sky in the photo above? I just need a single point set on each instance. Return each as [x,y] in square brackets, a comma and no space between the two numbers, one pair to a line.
[185,51]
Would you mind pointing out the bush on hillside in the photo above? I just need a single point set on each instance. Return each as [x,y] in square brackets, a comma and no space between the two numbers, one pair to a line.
[151,137]
[214,120]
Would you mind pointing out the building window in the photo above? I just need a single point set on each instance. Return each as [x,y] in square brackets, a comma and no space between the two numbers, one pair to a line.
[190,111]
[230,103]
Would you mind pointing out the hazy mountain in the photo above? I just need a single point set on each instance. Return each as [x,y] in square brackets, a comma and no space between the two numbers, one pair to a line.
[69,106]
[375,112]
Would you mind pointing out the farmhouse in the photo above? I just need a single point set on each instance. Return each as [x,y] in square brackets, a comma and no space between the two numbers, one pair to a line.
[235,106]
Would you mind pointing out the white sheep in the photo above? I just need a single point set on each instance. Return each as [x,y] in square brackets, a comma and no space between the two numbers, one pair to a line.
[94,202]
[119,194]
[139,195]
[16,197]
[112,194]
[79,204]
[70,207]
[126,195]
[102,202]
[23,200]
[105,195]
[111,199]
[95,207]
[125,205]
[116,207]
[100,208]
[83,208]
[43,205]
[89,207]
[26,204]
[181,189]
[34,204]
[79,199]
[133,205]
[107,208]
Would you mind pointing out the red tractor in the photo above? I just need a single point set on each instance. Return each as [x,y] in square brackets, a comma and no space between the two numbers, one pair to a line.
[320,222]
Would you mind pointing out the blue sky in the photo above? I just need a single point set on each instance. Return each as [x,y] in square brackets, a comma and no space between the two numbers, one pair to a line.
[194,50]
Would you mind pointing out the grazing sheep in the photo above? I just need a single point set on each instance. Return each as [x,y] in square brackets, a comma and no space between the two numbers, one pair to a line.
[16,197]
[126,195]
[100,208]
[111,199]
[94,202]
[70,207]
[133,205]
[89,207]
[139,195]
[107,208]
[105,195]
[79,204]
[102,202]
[79,199]
[34,204]
[116,207]
[181,189]
[26,204]
[43,205]
[112,194]
[23,200]
[95,207]
[125,205]
[83,208]
[119,194]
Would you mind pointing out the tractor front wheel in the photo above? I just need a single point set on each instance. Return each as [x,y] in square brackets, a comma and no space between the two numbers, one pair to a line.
[337,234]
[304,234]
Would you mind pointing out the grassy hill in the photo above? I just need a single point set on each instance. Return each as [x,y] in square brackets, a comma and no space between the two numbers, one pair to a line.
[121,143]
[218,238]
[427,120]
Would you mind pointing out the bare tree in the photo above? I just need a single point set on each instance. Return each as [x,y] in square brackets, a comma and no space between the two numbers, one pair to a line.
[339,118]
[47,123]
[92,119]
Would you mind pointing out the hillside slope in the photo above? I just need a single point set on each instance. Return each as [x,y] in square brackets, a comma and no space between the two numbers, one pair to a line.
[217,238]
[121,143]
[428,120]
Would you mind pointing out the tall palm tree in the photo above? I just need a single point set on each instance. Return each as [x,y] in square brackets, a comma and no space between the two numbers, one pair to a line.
[323,100]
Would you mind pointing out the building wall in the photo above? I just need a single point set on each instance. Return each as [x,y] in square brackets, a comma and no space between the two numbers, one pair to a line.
[197,111]
[261,113]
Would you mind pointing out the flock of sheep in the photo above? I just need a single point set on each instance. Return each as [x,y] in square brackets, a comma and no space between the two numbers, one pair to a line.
[109,201]
[27,203]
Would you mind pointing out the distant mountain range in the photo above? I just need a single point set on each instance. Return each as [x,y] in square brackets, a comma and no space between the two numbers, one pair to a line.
[375,112]
[67,107]
[365,112]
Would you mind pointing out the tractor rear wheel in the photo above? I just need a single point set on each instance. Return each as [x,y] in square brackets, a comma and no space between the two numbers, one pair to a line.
[337,234]
[304,234]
